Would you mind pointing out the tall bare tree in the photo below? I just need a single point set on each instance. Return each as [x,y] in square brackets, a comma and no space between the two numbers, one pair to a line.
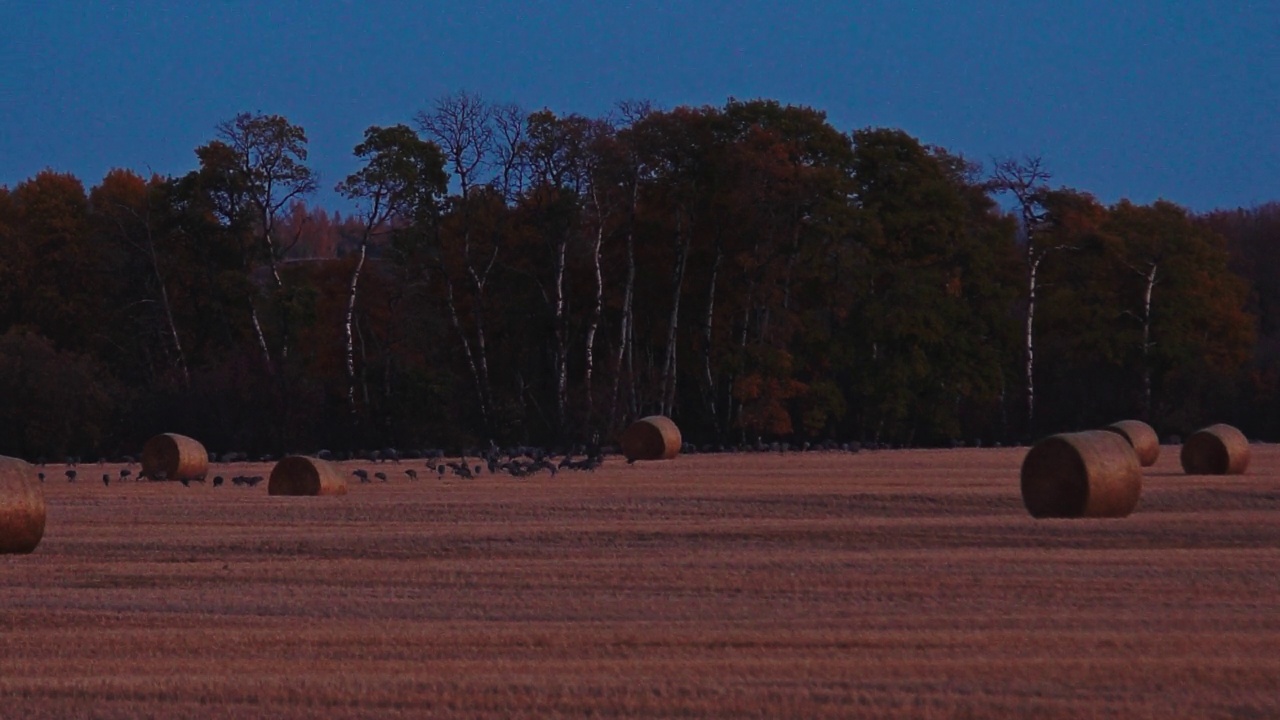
[475,138]
[1026,180]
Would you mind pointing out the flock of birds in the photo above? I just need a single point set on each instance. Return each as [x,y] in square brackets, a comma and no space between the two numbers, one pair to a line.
[127,474]
[518,461]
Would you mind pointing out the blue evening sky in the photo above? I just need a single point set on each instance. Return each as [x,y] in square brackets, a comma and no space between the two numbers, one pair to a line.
[1137,99]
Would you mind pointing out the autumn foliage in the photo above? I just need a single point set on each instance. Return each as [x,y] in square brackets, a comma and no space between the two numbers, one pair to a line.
[749,270]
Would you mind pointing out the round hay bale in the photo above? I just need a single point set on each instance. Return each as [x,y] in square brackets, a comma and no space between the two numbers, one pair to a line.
[302,475]
[21,507]
[1085,474]
[652,438]
[174,457]
[1216,450]
[1141,436]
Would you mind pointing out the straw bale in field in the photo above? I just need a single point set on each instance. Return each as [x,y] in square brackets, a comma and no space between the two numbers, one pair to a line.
[1142,437]
[1086,474]
[22,511]
[302,475]
[1216,450]
[651,438]
[174,457]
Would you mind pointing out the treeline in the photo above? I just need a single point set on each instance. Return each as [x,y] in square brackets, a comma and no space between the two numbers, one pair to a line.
[750,270]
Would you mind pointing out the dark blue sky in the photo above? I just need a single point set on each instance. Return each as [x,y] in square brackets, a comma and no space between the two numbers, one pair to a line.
[1134,99]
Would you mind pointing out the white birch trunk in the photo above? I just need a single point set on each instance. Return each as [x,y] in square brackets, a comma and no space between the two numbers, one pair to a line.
[624,331]
[708,378]
[1146,340]
[669,365]
[350,337]
[596,311]
[561,334]
[1033,270]
[262,338]
[466,348]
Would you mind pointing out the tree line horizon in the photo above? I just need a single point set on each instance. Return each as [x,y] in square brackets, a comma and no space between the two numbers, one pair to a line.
[526,277]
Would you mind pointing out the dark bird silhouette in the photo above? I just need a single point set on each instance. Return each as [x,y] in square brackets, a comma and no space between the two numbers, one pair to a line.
[106,479]
[125,473]
[71,476]
[41,476]
[413,474]
[362,474]
[217,480]
[381,476]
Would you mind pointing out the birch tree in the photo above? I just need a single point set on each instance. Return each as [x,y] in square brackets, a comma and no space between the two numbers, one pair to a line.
[401,182]
[256,168]
[481,149]
[1027,181]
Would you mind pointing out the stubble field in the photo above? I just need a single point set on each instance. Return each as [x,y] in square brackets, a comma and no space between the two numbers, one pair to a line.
[881,584]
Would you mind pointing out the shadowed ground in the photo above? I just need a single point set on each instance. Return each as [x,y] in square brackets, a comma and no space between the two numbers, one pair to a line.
[882,584]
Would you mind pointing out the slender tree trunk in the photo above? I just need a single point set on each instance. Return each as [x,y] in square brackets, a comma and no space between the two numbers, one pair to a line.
[262,338]
[561,335]
[669,365]
[279,283]
[1146,341]
[173,326]
[625,331]
[350,339]
[708,379]
[482,346]
[466,349]
[1033,270]
[166,305]
[596,311]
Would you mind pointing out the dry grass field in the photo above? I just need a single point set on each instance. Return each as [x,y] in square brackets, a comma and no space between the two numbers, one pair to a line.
[882,584]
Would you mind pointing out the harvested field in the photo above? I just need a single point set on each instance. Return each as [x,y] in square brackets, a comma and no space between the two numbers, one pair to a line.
[882,584]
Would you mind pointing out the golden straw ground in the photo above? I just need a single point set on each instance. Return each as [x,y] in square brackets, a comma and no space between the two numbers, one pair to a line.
[890,584]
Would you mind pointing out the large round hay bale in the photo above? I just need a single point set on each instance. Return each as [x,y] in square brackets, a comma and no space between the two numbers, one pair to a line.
[1085,474]
[174,457]
[21,507]
[302,475]
[1141,436]
[1216,450]
[652,438]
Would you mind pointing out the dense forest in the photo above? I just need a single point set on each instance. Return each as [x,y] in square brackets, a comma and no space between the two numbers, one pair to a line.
[749,270]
